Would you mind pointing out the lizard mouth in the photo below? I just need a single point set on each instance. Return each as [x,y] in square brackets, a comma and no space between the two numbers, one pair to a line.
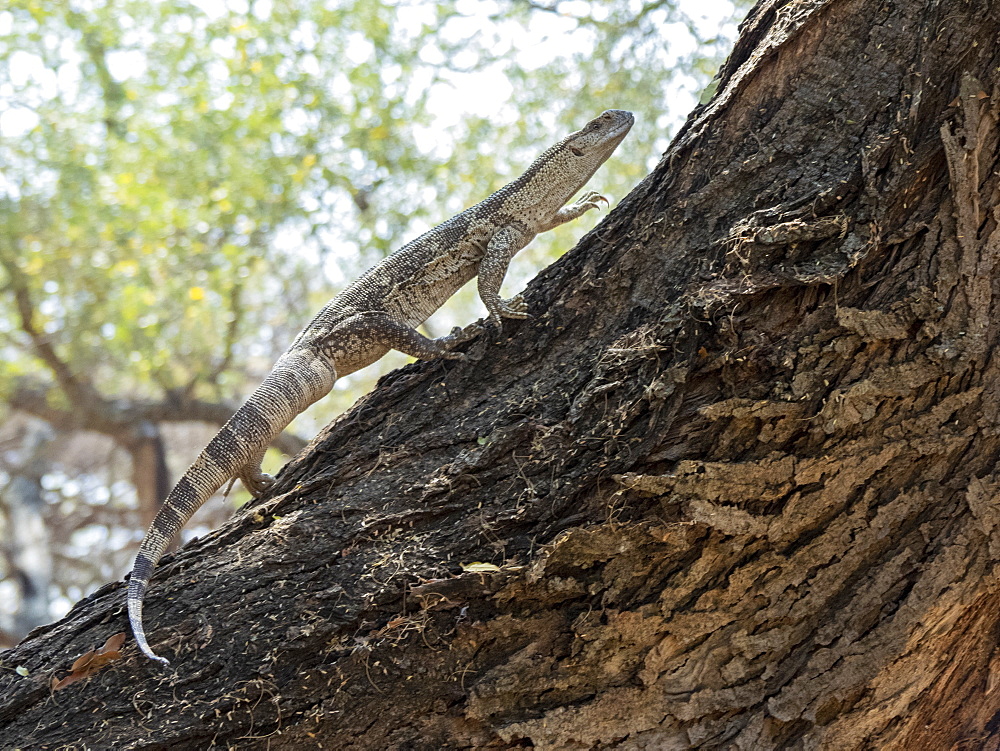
[625,121]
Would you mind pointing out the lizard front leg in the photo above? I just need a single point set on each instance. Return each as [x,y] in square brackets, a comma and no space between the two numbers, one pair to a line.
[589,200]
[504,244]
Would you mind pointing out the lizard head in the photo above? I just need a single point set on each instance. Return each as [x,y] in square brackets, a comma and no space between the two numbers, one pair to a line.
[563,169]
[598,139]
[567,166]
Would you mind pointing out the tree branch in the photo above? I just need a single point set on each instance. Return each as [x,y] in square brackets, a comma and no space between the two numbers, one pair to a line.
[115,418]
[81,393]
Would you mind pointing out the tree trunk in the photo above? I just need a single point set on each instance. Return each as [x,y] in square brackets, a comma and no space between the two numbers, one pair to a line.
[150,475]
[737,476]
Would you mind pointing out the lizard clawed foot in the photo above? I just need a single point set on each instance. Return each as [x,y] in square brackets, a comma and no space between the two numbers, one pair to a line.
[457,336]
[592,200]
[515,307]
[256,482]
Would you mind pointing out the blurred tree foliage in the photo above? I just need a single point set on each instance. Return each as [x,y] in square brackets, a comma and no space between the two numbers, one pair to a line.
[183,183]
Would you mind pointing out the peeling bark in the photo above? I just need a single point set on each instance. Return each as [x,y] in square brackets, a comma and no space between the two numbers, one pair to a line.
[737,476]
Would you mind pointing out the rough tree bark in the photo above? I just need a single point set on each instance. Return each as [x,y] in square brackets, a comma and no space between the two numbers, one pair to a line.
[737,476]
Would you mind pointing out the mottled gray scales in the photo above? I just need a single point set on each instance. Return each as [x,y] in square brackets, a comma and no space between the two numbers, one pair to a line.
[219,449]
[184,494]
[378,312]
[175,515]
[143,568]
[251,420]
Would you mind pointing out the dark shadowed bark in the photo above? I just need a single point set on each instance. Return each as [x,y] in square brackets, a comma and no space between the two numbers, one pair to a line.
[737,477]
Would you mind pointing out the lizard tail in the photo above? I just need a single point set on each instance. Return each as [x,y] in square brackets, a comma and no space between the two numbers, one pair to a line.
[296,381]
[201,480]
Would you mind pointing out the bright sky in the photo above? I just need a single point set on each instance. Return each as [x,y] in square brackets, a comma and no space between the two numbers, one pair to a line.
[483,93]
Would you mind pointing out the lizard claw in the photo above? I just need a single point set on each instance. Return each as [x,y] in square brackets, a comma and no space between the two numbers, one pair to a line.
[457,336]
[256,482]
[495,324]
[515,307]
[592,200]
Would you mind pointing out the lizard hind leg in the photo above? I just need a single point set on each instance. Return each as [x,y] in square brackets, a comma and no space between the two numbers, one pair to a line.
[384,330]
[254,479]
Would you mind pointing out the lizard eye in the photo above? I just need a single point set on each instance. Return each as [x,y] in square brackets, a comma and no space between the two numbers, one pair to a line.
[576,151]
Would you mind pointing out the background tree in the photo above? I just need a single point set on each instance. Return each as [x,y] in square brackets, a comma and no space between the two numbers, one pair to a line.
[184,184]
[734,486]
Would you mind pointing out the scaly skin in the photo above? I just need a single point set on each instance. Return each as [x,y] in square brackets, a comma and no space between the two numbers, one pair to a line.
[377,313]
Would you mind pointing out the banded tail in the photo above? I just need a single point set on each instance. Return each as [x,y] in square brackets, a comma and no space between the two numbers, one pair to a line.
[297,380]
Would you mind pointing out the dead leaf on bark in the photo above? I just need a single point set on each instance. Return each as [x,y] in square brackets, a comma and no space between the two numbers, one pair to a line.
[91,662]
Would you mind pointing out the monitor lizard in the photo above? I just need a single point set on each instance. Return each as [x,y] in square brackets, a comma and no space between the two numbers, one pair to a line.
[378,312]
